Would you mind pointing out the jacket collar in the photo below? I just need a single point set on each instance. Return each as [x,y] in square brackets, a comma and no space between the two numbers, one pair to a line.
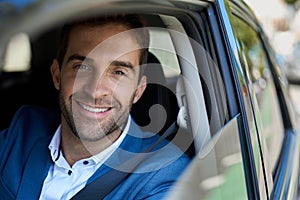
[39,157]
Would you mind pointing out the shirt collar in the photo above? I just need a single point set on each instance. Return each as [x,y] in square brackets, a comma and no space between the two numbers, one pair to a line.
[103,155]
[54,145]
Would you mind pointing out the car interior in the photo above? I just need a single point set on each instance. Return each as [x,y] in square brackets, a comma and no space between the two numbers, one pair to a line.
[188,79]
[210,86]
[156,111]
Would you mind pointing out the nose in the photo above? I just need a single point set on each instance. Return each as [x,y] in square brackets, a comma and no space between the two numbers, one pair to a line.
[97,86]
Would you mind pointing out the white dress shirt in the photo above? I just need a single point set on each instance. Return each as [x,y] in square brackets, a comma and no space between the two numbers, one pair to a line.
[63,181]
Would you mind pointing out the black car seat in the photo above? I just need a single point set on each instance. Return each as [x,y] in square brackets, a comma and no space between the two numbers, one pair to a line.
[33,87]
[157,109]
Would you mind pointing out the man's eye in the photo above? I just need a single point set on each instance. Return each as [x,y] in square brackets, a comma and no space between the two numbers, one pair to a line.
[82,67]
[119,72]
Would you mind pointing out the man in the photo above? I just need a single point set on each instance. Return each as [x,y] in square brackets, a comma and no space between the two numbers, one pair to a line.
[99,75]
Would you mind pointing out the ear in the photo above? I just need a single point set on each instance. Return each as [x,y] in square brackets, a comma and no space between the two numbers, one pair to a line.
[55,72]
[140,89]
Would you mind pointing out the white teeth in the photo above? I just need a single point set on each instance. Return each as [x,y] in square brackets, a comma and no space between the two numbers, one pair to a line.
[94,110]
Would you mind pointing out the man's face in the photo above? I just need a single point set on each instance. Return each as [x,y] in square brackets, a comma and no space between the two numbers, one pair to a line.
[99,80]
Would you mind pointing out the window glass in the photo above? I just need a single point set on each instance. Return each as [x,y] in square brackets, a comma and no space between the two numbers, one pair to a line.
[219,162]
[261,84]
[17,54]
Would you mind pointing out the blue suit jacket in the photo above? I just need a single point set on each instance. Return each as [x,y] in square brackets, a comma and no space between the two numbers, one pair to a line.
[25,159]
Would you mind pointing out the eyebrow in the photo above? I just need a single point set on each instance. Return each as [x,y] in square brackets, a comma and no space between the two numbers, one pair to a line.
[79,57]
[128,65]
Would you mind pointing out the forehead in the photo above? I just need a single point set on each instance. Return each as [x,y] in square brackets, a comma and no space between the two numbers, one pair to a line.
[101,32]
[111,36]
[104,44]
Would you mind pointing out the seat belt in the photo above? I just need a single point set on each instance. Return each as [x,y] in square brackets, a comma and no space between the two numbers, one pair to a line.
[103,185]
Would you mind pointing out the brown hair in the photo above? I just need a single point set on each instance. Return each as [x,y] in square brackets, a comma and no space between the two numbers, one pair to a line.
[131,21]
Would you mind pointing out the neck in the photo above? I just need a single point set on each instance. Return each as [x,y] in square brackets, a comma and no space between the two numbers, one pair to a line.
[75,149]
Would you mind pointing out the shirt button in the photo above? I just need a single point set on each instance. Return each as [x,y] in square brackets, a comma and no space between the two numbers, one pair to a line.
[85,162]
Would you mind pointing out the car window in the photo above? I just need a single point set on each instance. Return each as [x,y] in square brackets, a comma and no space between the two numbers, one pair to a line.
[18,54]
[263,92]
[219,162]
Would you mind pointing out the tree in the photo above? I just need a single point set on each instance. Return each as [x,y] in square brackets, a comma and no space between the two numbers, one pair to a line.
[290,2]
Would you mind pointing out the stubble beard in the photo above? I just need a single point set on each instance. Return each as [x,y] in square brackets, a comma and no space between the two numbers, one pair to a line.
[94,130]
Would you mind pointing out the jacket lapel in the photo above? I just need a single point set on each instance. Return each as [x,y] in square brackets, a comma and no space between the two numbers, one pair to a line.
[35,171]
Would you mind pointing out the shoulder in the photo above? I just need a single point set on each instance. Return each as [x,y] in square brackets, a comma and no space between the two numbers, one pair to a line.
[31,125]
[147,151]
[34,113]
[156,151]
[30,122]
[35,117]
[153,164]
[154,177]
[23,146]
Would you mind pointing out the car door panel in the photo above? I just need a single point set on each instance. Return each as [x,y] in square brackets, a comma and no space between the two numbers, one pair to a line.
[215,169]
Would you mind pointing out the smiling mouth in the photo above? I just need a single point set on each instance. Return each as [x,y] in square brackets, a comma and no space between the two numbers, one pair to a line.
[94,109]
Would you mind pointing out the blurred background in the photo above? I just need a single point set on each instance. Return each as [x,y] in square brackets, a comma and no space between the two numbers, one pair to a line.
[280,19]
[281,22]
